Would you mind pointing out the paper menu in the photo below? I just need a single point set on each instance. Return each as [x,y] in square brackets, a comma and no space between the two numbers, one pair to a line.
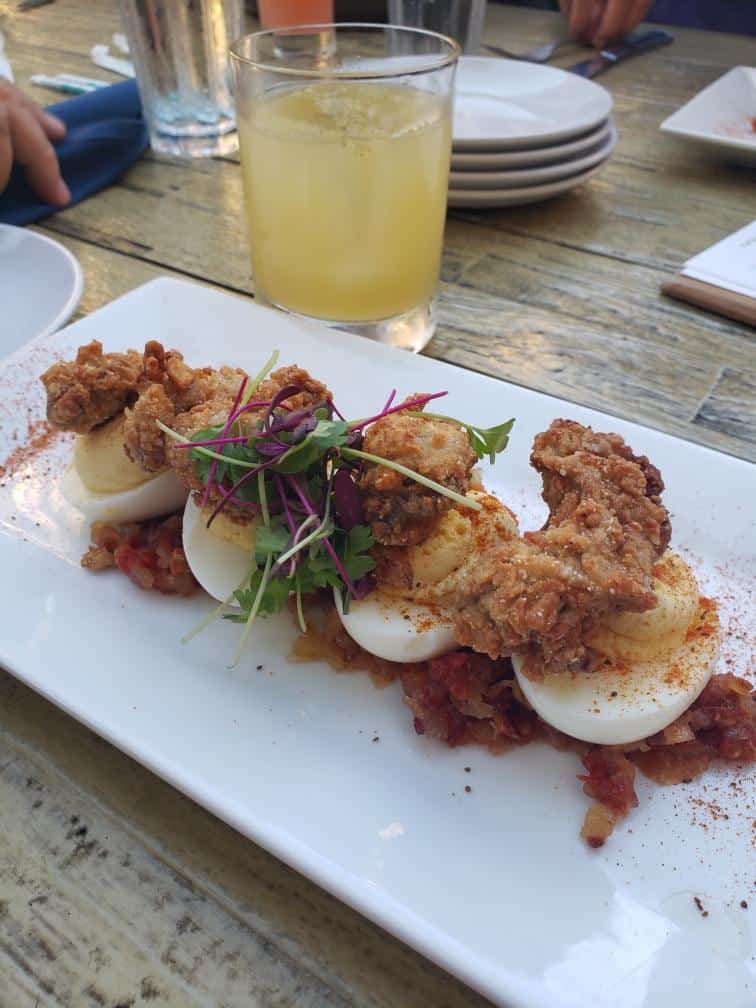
[730,264]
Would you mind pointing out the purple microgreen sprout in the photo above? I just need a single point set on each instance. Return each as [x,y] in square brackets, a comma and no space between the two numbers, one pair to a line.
[182,442]
[288,517]
[347,501]
[214,466]
[411,405]
[226,495]
[331,551]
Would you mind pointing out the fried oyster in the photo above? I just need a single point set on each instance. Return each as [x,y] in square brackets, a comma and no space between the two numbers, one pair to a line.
[400,511]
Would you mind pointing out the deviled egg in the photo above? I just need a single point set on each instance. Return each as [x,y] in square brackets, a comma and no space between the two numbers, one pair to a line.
[404,623]
[658,662]
[106,485]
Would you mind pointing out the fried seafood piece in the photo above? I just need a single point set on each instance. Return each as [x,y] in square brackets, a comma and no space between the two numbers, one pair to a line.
[400,511]
[538,595]
[309,392]
[186,386]
[169,387]
[215,412]
[143,440]
[93,388]
[208,391]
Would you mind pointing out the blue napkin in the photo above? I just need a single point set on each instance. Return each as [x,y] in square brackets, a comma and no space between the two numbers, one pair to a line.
[106,135]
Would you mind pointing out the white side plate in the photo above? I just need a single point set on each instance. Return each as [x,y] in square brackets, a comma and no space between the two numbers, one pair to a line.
[485,161]
[533,176]
[492,198]
[40,286]
[502,104]
[722,116]
[494,884]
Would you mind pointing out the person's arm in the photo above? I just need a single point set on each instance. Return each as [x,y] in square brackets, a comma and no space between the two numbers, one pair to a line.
[599,21]
[26,135]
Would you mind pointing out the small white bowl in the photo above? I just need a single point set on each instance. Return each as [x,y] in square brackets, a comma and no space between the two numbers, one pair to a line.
[40,286]
[722,116]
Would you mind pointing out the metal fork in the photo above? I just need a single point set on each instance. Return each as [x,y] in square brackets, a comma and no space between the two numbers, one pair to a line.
[541,54]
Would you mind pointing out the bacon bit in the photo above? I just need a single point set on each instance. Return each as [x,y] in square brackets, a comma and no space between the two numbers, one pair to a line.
[610,780]
[700,907]
[677,763]
[466,697]
[149,553]
[598,825]
[97,558]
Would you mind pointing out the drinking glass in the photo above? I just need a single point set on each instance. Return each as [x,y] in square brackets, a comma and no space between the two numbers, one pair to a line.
[345,149]
[461,19]
[180,53]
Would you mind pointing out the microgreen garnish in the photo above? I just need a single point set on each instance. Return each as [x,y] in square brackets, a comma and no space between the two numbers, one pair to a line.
[295,471]
[483,440]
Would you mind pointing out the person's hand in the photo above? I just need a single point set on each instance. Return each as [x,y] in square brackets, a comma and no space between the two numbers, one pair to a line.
[599,21]
[26,132]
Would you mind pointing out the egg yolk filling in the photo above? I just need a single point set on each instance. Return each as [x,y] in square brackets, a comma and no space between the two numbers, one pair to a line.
[102,463]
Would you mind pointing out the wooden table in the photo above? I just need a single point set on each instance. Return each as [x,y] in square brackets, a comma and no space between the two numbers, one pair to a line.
[114,889]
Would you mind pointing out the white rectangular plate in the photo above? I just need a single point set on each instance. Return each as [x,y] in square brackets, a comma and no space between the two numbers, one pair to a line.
[722,116]
[495,884]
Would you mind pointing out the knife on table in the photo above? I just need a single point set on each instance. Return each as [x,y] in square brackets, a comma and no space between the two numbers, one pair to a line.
[633,45]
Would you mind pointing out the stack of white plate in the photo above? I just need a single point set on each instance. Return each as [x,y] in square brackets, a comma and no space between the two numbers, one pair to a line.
[524,132]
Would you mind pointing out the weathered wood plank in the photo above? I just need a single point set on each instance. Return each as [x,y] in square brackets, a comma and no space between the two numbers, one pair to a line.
[582,362]
[623,296]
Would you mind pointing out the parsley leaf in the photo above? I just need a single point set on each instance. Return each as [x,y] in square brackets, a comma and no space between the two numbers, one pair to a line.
[328,434]
[489,440]
[355,555]
[270,539]
[273,599]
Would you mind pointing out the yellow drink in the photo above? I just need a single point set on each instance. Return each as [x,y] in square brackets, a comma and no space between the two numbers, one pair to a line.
[345,185]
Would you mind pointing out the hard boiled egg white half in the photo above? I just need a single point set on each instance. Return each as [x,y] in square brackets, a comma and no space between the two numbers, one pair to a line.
[658,664]
[220,557]
[408,625]
[395,629]
[106,485]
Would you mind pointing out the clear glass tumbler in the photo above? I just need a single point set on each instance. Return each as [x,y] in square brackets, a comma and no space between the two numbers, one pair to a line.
[180,53]
[345,149]
[461,19]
